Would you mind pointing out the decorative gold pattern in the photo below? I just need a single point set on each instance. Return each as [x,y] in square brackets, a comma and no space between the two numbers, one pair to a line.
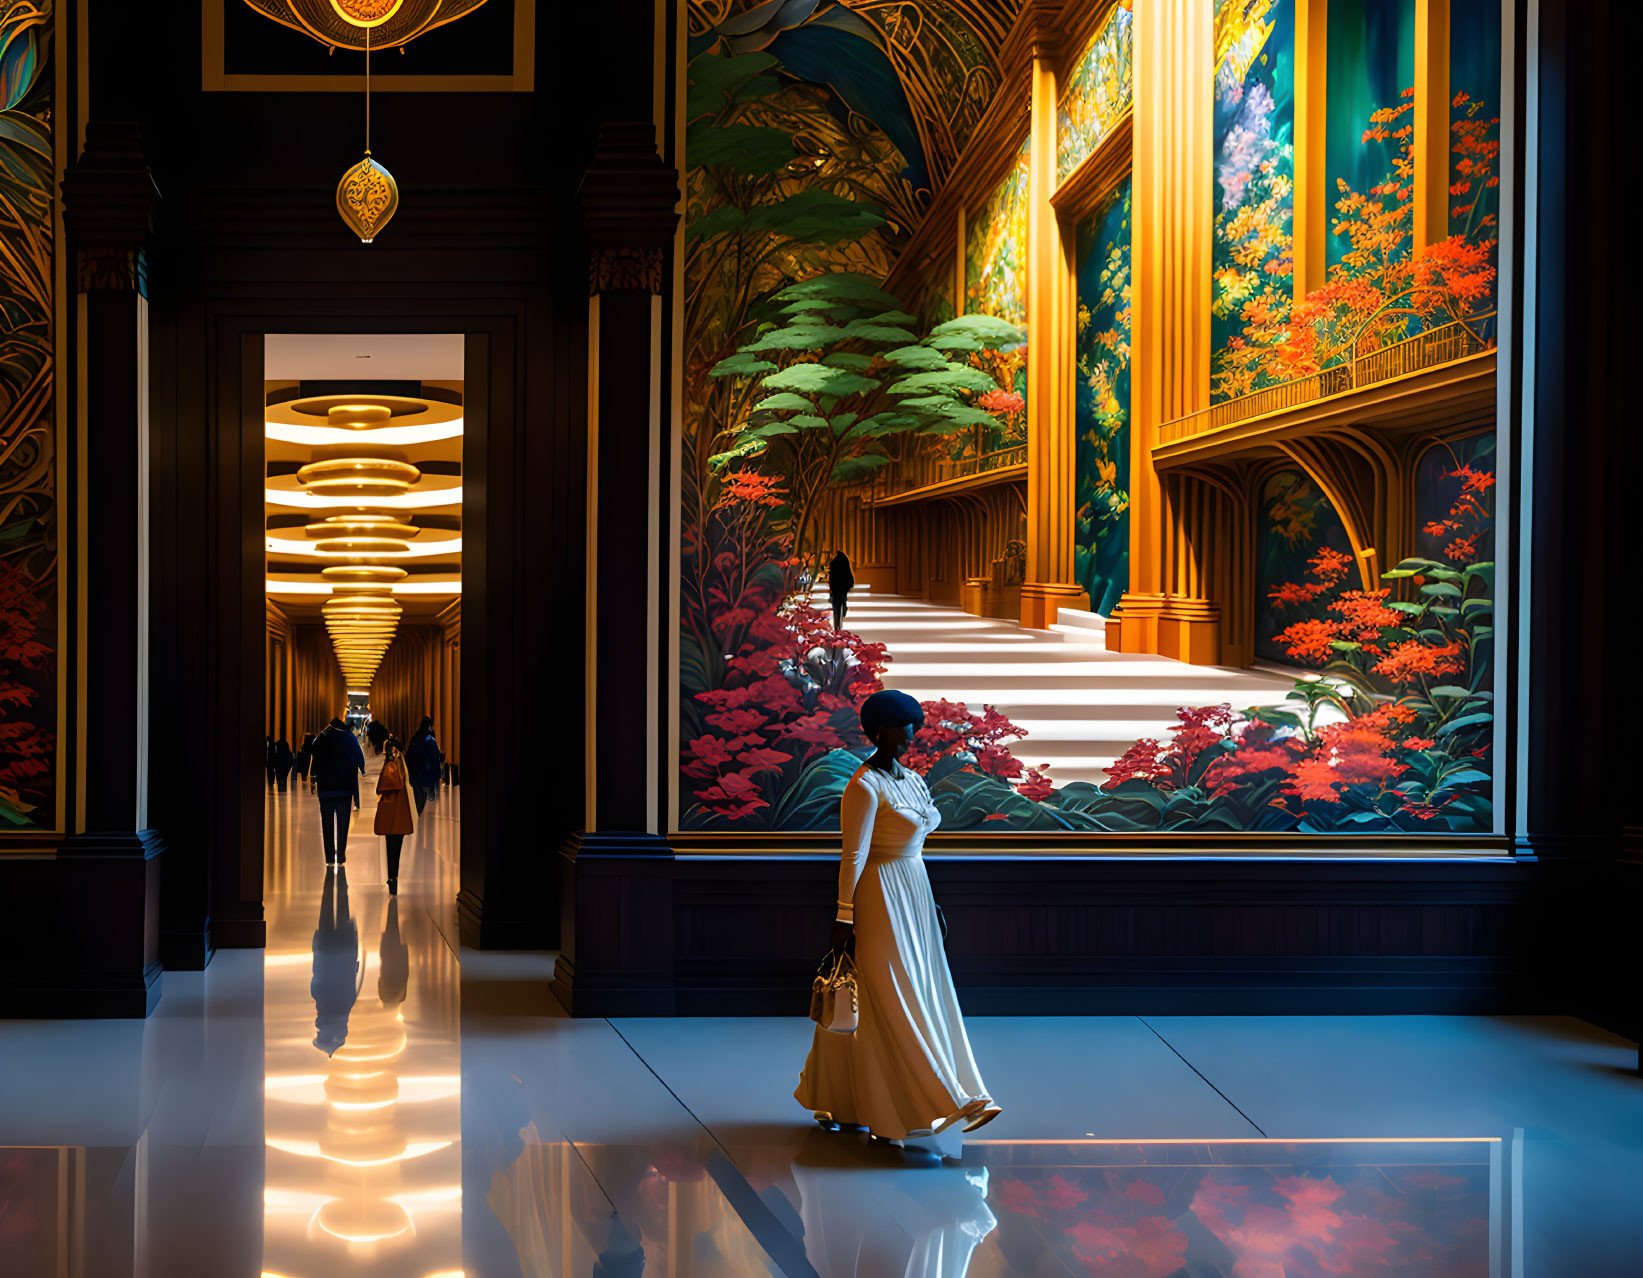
[366,13]
[367,198]
[342,24]
[614,270]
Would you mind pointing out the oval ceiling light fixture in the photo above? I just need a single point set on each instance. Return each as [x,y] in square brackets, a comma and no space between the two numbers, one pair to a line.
[358,477]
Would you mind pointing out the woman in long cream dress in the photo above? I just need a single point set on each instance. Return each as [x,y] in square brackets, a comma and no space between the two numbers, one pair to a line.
[907,1073]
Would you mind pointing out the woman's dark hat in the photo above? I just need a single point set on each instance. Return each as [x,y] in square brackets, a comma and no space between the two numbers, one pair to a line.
[888,709]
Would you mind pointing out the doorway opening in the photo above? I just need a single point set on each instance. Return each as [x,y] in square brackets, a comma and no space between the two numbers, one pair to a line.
[362,518]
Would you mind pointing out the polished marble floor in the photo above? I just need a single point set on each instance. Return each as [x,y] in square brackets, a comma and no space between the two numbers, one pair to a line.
[368,1098]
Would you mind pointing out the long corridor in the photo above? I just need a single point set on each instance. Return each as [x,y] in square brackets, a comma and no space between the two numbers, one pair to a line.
[367,1098]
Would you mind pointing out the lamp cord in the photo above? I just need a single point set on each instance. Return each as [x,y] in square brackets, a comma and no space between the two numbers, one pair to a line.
[367,90]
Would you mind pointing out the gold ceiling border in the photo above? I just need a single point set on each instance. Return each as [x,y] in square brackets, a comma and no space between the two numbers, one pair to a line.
[214,77]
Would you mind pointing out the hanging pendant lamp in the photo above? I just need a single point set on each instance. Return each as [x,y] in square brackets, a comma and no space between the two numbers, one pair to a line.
[367,196]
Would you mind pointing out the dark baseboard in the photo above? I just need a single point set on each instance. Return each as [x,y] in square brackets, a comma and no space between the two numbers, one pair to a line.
[188,951]
[479,928]
[94,998]
[239,934]
[619,997]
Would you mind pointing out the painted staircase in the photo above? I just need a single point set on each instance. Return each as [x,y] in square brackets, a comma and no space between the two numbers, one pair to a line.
[1081,705]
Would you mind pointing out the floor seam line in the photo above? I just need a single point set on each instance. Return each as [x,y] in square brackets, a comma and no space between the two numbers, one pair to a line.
[1201,1075]
[795,1266]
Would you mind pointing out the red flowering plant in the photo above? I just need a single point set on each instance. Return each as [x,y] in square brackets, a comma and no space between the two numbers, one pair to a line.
[26,744]
[771,690]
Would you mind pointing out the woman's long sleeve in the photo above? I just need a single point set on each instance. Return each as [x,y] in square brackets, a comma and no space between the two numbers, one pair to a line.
[856,812]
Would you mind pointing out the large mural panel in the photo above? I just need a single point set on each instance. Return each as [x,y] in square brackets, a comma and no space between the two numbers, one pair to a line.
[804,377]
[1101,537]
[28,483]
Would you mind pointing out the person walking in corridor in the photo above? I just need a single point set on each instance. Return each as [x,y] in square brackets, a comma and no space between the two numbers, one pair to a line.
[268,759]
[283,762]
[305,758]
[396,816]
[337,766]
[840,581]
[906,1073]
[423,757]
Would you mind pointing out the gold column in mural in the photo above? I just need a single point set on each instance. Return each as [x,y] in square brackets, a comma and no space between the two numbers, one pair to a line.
[1431,122]
[1311,224]
[1051,580]
[1163,611]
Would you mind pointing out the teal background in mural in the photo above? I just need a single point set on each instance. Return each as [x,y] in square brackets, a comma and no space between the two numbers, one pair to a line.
[1302,539]
[1101,546]
[1254,157]
[1474,106]
[1371,62]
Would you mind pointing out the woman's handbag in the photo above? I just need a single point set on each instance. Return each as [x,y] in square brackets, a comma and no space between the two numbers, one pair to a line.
[833,994]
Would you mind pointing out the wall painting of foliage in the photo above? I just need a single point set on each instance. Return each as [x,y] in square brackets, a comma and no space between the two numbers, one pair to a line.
[1379,289]
[1101,542]
[1098,91]
[1254,156]
[995,283]
[802,374]
[28,510]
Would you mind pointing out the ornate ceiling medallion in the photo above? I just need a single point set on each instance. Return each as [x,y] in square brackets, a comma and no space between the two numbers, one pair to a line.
[342,24]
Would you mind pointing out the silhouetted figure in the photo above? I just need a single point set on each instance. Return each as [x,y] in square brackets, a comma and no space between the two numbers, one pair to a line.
[423,757]
[840,582]
[336,965]
[337,766]
[393,961]
[305,757]
[376,732]
[268,760]
[283,762]
[395,816]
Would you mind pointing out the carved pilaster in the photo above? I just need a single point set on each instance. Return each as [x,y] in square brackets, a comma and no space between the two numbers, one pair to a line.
[629,200]
[109,198]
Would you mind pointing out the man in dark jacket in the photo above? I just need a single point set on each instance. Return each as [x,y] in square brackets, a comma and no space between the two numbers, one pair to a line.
[422,757]
[337,766]
[840,580]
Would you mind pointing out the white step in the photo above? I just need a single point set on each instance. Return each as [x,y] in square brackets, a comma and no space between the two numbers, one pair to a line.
[1081,705]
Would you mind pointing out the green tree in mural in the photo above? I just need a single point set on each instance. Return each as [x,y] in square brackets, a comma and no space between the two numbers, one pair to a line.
[837,376]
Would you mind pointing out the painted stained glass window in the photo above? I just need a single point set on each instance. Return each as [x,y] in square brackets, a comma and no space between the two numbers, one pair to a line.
[1098,92]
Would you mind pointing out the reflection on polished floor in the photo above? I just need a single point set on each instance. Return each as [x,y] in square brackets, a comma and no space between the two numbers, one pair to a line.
[367,1098]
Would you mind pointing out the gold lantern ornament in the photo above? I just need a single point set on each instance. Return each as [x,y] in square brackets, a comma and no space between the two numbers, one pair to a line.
[367,196]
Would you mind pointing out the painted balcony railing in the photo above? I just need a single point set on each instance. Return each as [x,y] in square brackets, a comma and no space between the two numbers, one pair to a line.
[924,470]
[1430,349]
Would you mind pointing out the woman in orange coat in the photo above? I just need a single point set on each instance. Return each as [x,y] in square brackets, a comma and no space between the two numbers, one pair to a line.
[396,814]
